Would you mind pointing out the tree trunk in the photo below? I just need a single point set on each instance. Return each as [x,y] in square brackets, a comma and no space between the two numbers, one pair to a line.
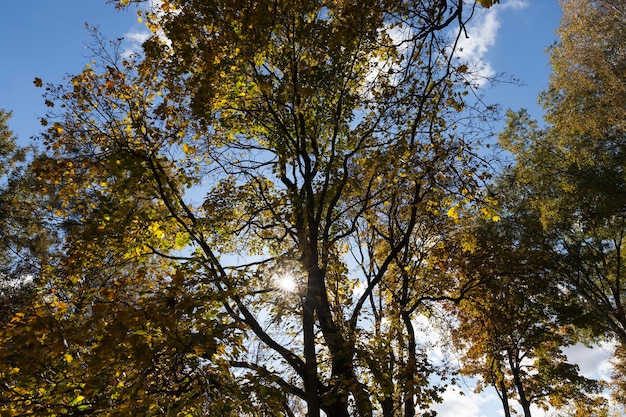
[523,400]
[411,368]
[504,396]
[310,359]
[387,406]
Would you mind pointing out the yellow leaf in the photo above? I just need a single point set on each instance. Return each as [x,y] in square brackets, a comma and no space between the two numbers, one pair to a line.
[453,213]
[18,318]
[68,358]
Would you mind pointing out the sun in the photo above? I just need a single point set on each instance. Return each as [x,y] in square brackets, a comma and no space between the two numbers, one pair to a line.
[286,282]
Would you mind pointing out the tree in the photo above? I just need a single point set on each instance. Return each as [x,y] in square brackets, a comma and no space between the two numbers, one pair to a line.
[27,244]
[330,140]
[513,324]
[7,142]
[24,240]
[592,153]
[573,170]
[104,328]
[18,234]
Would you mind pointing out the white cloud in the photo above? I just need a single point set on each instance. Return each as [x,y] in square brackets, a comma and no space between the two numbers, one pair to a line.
[133,42]
[136,38]
[458,403]
[593,362]
[464,402]
[481,36]
[514,4]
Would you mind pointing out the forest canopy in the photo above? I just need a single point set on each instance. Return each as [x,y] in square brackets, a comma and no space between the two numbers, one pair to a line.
[256,214]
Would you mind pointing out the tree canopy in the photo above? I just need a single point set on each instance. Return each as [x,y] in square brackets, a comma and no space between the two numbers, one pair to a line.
[572,171]
[318,142]
[251,216]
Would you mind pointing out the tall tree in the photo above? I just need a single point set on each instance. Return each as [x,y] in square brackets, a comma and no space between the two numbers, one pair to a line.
[27,248]
[105,327]
[573,170]
[324,94]
[587,134]
[583,153]
[330,140]
[513,324]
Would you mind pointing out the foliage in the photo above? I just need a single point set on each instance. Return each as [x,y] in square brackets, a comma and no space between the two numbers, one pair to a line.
[329,141]
[24,239]
[513,324]
[572,171]
[105,327]
[251,216]
[14,238]
[7,142]
[323,94]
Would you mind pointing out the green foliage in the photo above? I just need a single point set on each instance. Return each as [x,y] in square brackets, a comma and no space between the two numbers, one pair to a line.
[24,239]
[7,143]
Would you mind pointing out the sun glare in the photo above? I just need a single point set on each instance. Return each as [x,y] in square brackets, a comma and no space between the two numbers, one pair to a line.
[287,283]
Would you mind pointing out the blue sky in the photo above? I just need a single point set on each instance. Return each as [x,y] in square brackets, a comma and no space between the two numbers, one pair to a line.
[46,39]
